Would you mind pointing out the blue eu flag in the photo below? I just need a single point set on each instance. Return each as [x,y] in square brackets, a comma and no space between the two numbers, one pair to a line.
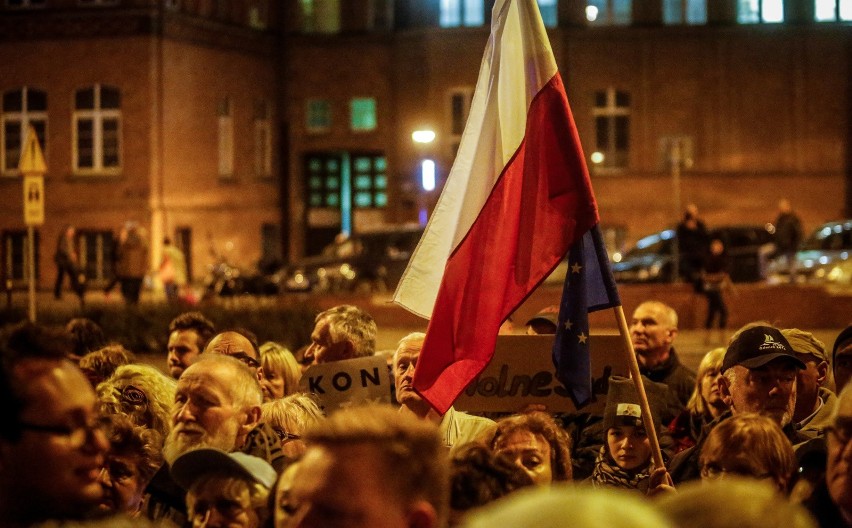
[589,286]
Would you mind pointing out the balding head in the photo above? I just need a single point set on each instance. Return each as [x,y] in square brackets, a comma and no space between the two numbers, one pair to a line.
[237,345]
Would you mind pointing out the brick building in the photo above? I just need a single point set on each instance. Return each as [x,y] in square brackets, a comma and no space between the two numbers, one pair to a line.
[258,130]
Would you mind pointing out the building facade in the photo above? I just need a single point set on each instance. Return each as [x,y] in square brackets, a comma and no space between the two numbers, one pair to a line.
[256,131]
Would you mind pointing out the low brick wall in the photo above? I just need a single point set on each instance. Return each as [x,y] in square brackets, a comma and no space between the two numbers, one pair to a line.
[783,305]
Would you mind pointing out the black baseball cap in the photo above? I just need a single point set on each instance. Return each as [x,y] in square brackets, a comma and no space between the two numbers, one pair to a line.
[757,346]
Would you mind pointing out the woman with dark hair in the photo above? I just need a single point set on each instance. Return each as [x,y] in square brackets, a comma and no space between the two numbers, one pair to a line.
[535,443]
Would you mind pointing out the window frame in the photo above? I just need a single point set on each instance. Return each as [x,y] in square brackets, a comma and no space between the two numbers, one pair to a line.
[225,139]
[263,139]
[25,117]
[614,159]
[98,116]
[310,124]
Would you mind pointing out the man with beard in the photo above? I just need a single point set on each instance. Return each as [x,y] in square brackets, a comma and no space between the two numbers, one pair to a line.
[758,376]
[217,404]
[52,442]
[456,428]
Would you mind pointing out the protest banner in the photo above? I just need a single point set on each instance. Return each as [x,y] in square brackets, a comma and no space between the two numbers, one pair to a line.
[350,382]
[522,373]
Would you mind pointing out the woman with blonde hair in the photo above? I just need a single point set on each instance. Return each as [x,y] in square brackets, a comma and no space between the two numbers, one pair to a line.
[289,417]
[141,392]
[705,404]
[281,371]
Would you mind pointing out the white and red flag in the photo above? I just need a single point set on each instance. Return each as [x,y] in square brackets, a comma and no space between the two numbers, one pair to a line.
[517,198]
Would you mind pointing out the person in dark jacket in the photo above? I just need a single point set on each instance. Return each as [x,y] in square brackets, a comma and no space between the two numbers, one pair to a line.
[831,501]
[788,235]
[67,263]
[132,263]
[758,376]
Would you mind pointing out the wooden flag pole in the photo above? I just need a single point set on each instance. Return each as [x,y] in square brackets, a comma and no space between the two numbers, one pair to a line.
[640,388]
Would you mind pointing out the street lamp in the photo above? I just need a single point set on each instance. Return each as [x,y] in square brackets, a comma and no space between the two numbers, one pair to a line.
[423,136]
[427,171]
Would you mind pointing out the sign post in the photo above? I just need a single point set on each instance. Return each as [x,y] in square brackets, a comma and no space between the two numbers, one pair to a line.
[32,169]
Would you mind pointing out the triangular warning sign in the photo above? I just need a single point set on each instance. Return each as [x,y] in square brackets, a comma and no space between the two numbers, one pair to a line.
[32,159]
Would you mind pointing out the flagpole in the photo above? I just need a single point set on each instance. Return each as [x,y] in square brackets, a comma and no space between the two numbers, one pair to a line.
[640,387]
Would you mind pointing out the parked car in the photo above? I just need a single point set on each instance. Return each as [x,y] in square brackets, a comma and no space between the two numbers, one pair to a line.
[824,256]
[373,261]
[749,247]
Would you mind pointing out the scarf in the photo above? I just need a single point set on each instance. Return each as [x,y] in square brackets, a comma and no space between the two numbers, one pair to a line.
[608,474]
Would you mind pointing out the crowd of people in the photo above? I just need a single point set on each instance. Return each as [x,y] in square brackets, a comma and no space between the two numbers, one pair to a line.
[89,436]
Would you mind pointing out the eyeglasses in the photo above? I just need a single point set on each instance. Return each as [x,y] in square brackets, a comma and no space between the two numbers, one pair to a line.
[131,395]
[285,437]
[247,360]
[841,433]
[76,434]
[715,471]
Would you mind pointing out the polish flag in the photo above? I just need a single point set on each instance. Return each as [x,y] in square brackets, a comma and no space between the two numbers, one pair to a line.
[517,198]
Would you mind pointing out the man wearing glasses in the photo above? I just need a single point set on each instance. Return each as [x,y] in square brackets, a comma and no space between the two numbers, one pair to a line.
[239,344]
[52,442]
[831,502]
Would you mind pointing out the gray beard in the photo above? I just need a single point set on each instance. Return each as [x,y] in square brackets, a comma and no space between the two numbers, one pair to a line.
[177,444]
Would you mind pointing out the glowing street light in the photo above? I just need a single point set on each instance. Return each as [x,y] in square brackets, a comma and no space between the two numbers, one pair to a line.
[423,136]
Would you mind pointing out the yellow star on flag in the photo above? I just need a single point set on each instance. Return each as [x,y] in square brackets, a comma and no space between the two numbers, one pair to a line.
[576,267]
[582,337]
[568,324]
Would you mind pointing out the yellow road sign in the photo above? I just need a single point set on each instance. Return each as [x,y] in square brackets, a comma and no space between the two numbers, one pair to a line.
[32,168]
[33,199]
[32,159]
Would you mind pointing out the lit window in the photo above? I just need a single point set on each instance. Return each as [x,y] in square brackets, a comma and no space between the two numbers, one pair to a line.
[257,15]
[468,13]
[320,16]
[323,174]
[612,127]
[609,12]
[226,139]
[21,108]
[318,116]
[25,3]
[692,12]
[833,10]
[760,11]
[549,12]
[97,129]
[363,113]
[369,181]
[262,140]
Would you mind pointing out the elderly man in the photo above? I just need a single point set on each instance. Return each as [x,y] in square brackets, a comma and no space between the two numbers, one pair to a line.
[758,376]
[239,344]
[217,404]
[52,443]
[188,335]
[456,428]
[342,332]
[369,467]
[653,330]
[831,502]
[814,402]
[842,358]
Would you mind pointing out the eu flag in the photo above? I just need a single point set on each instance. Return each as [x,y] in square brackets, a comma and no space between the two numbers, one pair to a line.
[589,286]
